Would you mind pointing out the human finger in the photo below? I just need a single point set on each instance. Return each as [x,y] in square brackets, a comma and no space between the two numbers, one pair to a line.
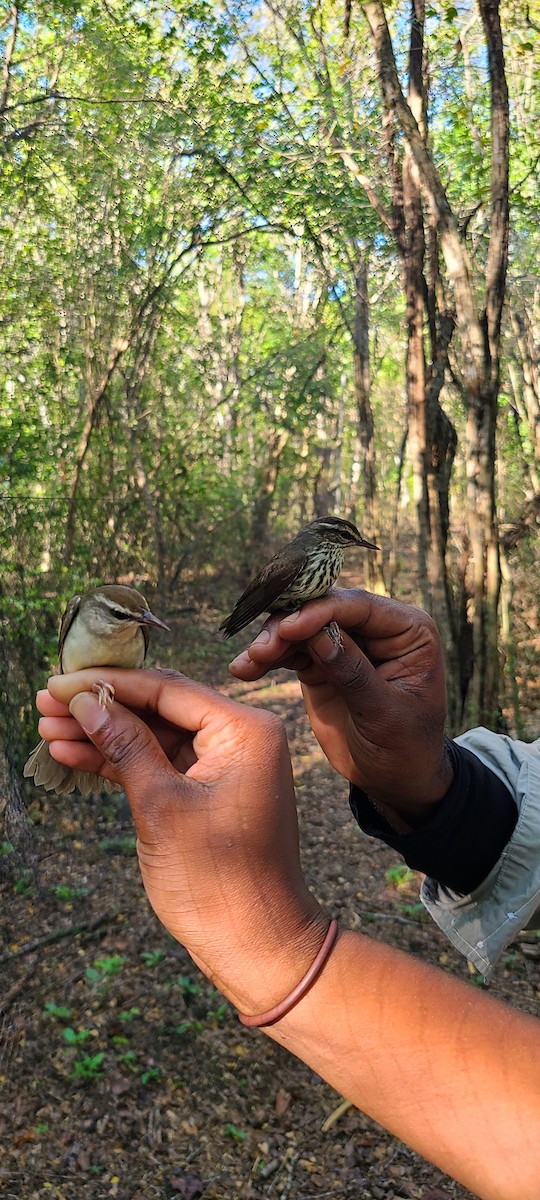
[169,694]
[249,668]
[82,756]
[48,706]
[126,744]
[346,668]
[377,619]
[65,729]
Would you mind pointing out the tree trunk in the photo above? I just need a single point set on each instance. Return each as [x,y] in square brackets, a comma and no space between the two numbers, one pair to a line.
[479,329]
[482,699]
[366,431]
[263,504]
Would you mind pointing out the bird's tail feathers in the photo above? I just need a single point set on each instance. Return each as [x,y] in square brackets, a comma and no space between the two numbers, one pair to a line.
[56,777]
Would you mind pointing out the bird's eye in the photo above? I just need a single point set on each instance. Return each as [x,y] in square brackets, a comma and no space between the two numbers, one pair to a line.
[121,615]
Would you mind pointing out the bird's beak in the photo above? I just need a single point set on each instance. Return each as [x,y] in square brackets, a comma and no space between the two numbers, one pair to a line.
[148,618]
[369,545]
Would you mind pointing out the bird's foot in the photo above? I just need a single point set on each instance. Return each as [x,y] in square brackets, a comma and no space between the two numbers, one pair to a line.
[334,633]
[105,692]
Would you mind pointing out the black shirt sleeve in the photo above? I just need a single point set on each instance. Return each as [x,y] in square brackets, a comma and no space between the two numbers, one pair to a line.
[463,837]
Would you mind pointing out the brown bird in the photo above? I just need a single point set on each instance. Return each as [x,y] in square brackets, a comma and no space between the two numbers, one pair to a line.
[107,627]
[303,570]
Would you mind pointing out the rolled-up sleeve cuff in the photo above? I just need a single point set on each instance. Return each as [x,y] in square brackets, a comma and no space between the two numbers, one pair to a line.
[482,924]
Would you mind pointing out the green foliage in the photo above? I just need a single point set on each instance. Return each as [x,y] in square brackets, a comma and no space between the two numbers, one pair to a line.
[126,844]
[129,1015]
[151,958]
[413,910]
[150,1076]
[103,969]
[187,986]
[190,1026]
[179,243]
[88,1067]
[76,1037]
[66,893]
[238,1135]
[399,876]
[58,1011]
[24,885]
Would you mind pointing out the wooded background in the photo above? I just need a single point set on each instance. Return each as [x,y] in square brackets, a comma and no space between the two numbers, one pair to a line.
[263,261]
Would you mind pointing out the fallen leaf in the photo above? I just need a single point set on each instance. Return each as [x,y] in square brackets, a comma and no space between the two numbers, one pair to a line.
[282,1101]
[187,1185]
[26,1135]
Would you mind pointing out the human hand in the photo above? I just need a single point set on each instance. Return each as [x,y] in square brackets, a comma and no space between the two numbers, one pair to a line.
[210,786]
[377,702]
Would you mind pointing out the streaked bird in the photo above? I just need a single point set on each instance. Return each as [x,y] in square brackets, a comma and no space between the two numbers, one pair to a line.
[303,570]
[106,627]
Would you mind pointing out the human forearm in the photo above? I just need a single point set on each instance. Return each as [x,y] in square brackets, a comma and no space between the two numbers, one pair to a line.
[210,787]
[450,1071]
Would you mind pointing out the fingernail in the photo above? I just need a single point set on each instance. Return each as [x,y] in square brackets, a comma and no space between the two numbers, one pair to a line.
[88,712]
[325,647]
[262,638]
[291,618]
[241,660]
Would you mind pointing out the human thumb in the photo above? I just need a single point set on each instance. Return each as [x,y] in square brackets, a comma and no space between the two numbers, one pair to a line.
[126,743]
[344,665]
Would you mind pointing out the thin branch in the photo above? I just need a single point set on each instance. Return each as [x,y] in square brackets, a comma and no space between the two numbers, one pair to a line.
[56,935]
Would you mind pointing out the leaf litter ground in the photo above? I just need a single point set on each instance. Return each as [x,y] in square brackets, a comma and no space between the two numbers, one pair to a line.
[123,1072]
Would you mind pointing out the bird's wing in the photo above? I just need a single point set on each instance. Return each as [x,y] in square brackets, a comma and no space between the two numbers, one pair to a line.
[67,621]
[264,590]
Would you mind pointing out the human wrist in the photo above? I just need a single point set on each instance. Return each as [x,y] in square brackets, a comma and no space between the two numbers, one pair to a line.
[412,798]
[270,962]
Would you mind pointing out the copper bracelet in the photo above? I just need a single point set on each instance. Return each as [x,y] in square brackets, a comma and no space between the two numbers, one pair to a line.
[279,1010]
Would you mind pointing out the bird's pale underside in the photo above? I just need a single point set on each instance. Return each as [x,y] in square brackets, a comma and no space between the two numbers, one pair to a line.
[107,627]
[303,570]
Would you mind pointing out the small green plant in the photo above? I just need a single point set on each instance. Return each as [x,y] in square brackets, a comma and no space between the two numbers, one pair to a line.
[88,1066]
[76,1037]
[151,958]
[413,910]
[5,849]
[399,876]
[184,1027]
[187,987]
[218,1014]
[120,845]
[238,1135]
[129,1015]
[478,981]
[66,893]
[151,1075]
[58,1011]
[42,1129]
[24,885]
[103,969]
[129,1059]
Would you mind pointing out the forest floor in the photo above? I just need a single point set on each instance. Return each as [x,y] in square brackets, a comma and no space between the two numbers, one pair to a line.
[122,1071]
